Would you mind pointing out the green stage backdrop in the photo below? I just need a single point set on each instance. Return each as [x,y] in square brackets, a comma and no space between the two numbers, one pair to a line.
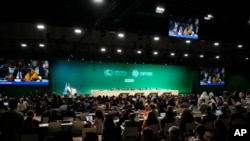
[86,76]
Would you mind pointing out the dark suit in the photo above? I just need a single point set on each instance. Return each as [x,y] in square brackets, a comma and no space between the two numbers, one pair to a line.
[40,71]
[11,126]
[15,73]
[31,126]
[209,118]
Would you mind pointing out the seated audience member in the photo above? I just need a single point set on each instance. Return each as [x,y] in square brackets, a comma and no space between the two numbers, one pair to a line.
[46,113]
[145,111]
[123,117]
[39,108]
[169,117]
[220,133]
[185,103]
[186,117]
[246,121]
[154,109]
[213,107]
[63,107]
[11,123]
[110,132]
[151,119]
[147,134]
[200,132]
[203,106]
[175,133]
[99,121]
[210,117]
[238,115]
[130,109]
[22,107]
[31,126]
[224,116]
[192,107]
[68,112]
[131,122]
[55,115]
[3,108]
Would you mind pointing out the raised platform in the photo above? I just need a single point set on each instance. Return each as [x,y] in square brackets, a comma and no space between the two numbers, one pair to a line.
[132,92]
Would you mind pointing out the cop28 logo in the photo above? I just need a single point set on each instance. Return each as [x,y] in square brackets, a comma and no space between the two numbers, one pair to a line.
[108,72]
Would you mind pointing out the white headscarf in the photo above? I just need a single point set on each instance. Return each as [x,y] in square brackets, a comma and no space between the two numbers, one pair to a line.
[203,96]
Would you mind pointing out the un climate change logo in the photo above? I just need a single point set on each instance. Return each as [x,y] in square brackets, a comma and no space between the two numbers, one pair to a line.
[135,73]
[108,72]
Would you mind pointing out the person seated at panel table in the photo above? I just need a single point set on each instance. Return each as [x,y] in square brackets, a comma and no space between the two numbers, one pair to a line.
[18,74]
[31,75]
[188,30]
[39,69]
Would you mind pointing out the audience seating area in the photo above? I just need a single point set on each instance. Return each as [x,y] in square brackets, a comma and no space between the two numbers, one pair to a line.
[79,117]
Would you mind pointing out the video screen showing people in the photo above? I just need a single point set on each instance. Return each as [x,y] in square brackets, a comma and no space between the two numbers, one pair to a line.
[184,28]
[212,76]
[33,72]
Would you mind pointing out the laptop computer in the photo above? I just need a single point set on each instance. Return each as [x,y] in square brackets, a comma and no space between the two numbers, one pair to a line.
[6,104]
[162,114]
[218,112]
[89,118]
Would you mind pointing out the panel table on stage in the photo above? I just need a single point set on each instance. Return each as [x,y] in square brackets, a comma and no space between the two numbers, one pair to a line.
[116,93]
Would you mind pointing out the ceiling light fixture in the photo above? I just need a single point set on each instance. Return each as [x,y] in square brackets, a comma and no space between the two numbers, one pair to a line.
[216,44]
[155,52]
[120,35]
[103,49]
[156,38]
[23,45]
[239,46]
[41,45]
[98,1]
[40,26]
[159,9]
[78,31]
[119,50]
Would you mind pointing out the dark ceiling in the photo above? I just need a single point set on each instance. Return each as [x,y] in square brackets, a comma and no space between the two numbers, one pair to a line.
[136,18]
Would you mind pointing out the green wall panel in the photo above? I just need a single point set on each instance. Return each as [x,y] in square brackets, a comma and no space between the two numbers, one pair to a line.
[85,76]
